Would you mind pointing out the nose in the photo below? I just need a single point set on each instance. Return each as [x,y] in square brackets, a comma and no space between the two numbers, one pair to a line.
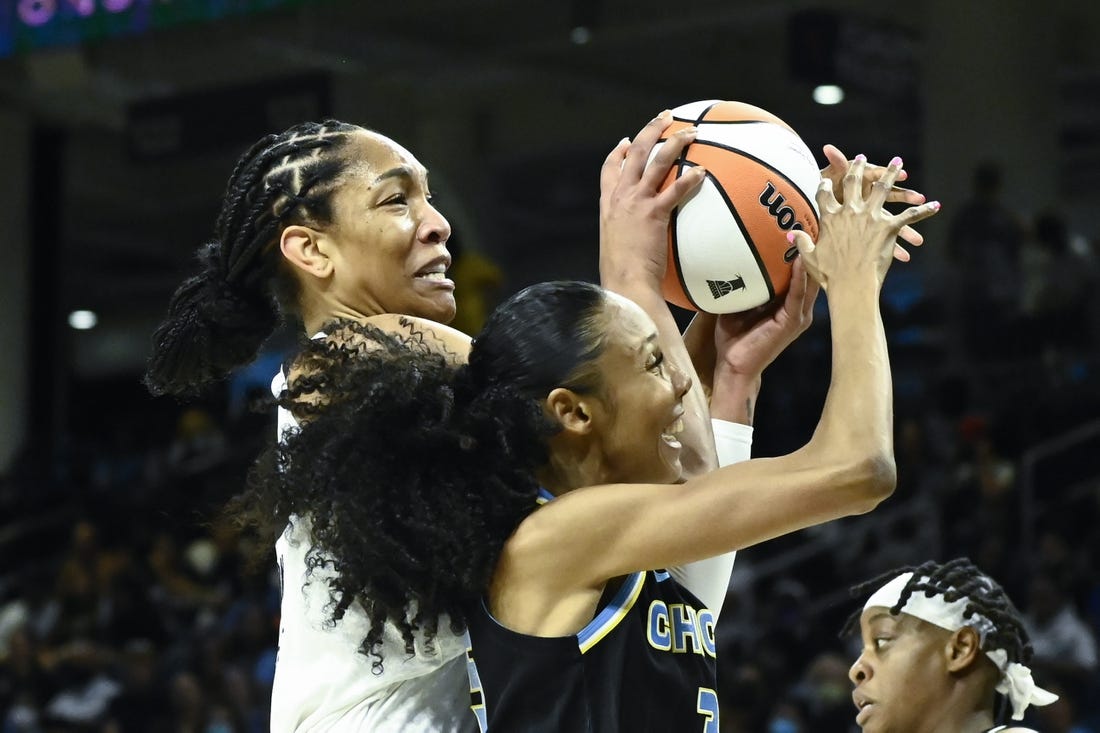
[859,671]
[681,382]
[434,227]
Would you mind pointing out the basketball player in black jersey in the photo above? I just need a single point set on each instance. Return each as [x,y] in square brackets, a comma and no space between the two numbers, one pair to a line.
[939,643]
[568,397]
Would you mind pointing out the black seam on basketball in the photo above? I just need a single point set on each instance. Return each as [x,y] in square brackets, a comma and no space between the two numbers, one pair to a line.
[676,258]
[765,164]
[733,122]
[745,233]
[681,162]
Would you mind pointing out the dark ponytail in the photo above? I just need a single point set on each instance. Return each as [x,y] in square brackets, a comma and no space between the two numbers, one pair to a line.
[219,318]
[412,477]
[413,471]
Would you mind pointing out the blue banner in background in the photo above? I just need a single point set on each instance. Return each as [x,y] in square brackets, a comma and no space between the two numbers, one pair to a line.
[28,25]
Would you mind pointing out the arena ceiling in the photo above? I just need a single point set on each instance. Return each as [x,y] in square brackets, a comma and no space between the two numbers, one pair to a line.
[130,224]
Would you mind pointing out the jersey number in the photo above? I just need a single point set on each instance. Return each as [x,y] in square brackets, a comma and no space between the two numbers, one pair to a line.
[707,706]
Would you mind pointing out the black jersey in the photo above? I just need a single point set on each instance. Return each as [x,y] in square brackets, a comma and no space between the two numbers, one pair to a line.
[644,663]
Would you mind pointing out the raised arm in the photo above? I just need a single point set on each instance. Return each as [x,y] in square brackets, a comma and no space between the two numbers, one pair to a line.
[634,216]
[846,468]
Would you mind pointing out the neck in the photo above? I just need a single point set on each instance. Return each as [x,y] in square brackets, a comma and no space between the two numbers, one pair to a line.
[975,722]
[319,310]
[573,465]
[962,712]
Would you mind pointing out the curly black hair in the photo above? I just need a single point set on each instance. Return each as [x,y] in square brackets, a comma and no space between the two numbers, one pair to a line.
[413,471]
[955,579]
[220,317]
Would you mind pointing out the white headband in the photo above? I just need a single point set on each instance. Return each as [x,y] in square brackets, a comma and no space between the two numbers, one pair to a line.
[1016,682]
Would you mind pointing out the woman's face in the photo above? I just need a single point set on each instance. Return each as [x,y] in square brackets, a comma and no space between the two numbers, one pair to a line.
[900,676]
[639,400]
[390,254]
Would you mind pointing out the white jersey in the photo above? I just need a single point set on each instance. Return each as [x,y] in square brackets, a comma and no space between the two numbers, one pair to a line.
[324,685]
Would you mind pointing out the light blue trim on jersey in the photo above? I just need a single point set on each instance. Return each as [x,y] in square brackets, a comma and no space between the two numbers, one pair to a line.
[661,575]
[543,496]
[609,617]
[477,693]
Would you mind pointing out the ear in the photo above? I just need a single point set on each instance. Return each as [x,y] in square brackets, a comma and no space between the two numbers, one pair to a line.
[963,649]
[301,247]
[571,410]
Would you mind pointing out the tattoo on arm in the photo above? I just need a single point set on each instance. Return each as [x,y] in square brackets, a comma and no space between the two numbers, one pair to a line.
[425,339]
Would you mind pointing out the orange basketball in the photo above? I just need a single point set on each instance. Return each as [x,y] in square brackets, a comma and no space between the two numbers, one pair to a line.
[728,248]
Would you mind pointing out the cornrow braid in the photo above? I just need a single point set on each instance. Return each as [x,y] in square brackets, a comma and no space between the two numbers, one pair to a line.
[219,318]
[955,579]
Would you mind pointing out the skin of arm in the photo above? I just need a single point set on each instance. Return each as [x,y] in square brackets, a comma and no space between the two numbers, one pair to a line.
[414,331]
[545,586]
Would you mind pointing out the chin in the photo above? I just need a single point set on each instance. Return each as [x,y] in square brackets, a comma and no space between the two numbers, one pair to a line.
[440,311]
[672,473]
[446,312]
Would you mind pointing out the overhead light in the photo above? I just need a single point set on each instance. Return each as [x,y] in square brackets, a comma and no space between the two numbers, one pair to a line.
[83,320]
[580,35]
[828,94]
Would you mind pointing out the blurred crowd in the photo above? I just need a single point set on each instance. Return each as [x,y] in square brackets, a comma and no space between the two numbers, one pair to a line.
[126,604]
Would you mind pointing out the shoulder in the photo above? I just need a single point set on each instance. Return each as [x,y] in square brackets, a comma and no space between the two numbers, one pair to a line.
[415,331]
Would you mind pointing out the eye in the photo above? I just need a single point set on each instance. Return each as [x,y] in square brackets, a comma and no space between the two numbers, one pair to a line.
[398,199]
[656,365]
[879,641]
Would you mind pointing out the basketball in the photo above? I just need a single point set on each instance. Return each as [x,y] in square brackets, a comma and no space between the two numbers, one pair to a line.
[727,243]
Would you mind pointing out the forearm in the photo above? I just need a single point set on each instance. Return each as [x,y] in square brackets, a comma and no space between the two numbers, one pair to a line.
[857,418]
[734,395]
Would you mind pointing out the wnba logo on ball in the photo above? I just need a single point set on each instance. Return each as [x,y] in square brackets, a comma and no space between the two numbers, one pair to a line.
[775,204]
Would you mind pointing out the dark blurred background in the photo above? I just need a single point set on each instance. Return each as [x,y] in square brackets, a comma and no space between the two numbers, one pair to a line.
[124,604]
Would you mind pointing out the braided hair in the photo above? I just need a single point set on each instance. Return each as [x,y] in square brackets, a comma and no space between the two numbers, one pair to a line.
[219,318]
[955,579]
[413,471]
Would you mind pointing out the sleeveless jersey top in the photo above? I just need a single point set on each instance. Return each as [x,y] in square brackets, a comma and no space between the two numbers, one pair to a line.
[646,662]
[322,682]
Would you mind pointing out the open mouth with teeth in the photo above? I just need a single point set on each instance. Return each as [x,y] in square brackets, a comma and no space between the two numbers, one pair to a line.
[434,273]
[670,433]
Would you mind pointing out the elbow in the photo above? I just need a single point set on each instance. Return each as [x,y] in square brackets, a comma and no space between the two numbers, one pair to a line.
[874,478]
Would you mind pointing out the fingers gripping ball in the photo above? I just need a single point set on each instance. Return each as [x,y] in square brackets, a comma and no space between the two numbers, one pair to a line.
[728,248]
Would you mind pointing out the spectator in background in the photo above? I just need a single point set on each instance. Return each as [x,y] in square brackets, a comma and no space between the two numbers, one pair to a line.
[1061,716]
[1064,645]
[824,692]
[984,250]
[1057,288]
[142,706]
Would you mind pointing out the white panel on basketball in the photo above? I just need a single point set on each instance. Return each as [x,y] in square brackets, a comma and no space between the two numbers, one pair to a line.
[719,253]
[777,146]
[693,110]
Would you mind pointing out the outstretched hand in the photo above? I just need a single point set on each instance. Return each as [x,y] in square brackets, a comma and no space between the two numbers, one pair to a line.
[838,167]
[857,237]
